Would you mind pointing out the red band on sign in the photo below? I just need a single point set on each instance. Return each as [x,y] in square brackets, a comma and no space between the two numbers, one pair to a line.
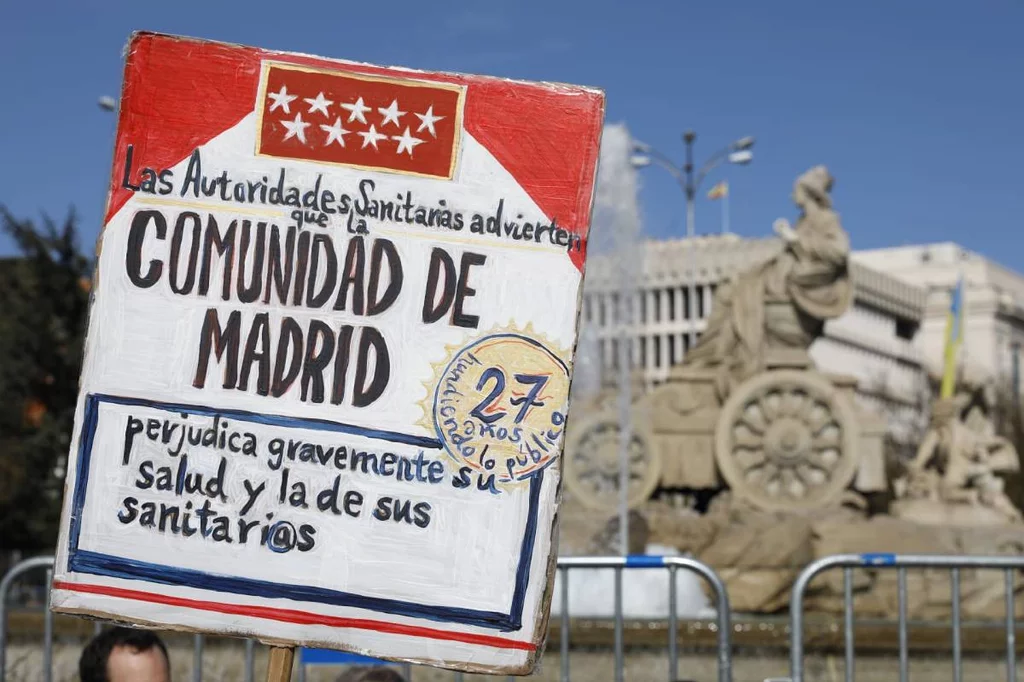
[181,93]
[298,617]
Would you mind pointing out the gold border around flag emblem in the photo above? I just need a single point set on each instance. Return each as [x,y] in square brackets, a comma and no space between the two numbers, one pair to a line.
[261,103]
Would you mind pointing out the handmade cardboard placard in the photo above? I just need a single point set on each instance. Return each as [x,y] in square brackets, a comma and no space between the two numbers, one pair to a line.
[328,361]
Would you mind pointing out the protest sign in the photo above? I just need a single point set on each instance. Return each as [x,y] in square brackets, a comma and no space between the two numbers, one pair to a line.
[329,353]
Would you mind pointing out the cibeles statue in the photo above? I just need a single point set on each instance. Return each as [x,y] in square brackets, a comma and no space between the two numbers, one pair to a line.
[952,479]
[747,410]
[780,307]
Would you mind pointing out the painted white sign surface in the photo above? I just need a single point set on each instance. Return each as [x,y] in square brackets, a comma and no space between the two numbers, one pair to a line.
[328,361]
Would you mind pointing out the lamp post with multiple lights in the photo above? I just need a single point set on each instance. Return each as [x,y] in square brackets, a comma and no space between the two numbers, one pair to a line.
[690,179]
[688,176]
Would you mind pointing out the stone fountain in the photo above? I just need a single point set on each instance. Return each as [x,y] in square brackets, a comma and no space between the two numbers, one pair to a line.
[785,454]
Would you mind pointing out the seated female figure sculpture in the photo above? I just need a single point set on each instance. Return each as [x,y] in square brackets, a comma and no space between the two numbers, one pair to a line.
[785,301]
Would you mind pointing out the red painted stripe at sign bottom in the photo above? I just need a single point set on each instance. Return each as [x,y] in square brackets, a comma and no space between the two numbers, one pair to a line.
[298,617]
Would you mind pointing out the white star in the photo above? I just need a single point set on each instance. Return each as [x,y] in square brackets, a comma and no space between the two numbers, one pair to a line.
[428,120]
[406,142]
[335,133]
[296,128]
[391,114]
[281,99]
[318,103]
[372,137]
[357,111]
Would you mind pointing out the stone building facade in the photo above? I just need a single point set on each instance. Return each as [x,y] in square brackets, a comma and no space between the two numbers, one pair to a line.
[993,306]
[874,341]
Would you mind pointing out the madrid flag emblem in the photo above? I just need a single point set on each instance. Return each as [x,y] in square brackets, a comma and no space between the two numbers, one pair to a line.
[327,370]
[370,122]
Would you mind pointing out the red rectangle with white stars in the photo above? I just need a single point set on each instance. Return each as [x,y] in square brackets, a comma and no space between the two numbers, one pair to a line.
[368,122]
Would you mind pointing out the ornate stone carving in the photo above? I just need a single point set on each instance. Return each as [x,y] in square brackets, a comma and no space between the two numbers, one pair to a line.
[784,442]
[592,470]
[952,479]
[746,407]
[783,302]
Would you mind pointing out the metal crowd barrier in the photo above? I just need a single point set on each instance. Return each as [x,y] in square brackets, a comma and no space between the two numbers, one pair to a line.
[5,586]
[901,562]
[565,566]
[673,564]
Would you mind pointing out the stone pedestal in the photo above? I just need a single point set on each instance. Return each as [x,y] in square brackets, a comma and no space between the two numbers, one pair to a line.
[759,555]
[934,513]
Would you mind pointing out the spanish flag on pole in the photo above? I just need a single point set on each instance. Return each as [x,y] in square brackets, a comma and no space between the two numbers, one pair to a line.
[954,338]
[719,191]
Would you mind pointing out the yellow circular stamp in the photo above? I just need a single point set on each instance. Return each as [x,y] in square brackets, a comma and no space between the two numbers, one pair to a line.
[499,406]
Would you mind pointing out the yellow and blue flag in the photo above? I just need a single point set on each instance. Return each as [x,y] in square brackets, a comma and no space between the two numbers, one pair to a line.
[954,338]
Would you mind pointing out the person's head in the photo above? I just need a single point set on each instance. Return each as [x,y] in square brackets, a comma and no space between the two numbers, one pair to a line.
[125,655]
[382,673]
[377,673]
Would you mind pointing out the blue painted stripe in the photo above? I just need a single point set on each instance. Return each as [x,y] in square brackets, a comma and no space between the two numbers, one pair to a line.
[329,657]
[89,420]
[278,420]
[95,563]
[526,552]
[879,558]
[644,561]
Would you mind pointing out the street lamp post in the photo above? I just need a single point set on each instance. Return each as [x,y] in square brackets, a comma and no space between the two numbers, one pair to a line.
[737,152]
[689,186]
[688,177]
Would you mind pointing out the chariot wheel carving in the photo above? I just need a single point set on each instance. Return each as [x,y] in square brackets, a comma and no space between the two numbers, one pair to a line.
[592,463]
[786,440]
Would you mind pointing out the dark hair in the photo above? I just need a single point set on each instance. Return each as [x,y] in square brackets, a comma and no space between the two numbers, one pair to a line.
[382,674]
[92,666]
[377,673]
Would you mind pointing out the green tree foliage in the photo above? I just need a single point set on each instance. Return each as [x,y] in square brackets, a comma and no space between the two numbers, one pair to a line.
[44,300]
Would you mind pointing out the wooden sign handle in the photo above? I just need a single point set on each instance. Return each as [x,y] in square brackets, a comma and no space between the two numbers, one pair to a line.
[279,669]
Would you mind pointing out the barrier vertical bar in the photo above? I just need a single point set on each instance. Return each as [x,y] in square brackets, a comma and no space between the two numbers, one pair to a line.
[250,660]
[619,663]
[48,632]
[459,677]
[848,621]
[407,670]
[197,658]
[97,627]
[5,586]
[724,626]
[5,582]
[901,593]
[1011,629]
[796,626]
[673,626]
[954,575]
[563,644]
[301,672]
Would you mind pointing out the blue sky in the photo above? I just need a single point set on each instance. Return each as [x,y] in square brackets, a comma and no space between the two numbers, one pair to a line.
[916,107]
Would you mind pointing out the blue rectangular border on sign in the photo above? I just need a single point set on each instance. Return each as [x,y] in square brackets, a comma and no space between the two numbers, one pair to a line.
[95,563]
